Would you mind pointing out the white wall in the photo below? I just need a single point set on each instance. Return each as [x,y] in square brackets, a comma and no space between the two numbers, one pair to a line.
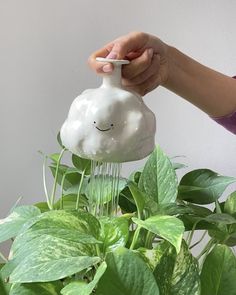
[44,45]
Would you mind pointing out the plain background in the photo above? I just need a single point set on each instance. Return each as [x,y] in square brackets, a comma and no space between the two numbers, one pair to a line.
[44,46]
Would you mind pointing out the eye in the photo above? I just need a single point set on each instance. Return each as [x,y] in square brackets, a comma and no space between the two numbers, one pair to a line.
[94,122]
[112,125]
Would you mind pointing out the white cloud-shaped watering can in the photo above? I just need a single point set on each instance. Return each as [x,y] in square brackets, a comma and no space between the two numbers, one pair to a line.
[110,123]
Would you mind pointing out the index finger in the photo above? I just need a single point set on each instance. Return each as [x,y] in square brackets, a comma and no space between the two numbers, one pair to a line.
[102,52]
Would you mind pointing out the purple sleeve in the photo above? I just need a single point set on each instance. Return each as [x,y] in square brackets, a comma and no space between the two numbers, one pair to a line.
[229,121]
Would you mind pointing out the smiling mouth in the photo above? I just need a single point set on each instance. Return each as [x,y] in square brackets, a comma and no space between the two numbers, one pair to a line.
[103,129]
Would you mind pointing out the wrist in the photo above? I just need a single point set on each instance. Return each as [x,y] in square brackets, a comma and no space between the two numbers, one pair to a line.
[172,67]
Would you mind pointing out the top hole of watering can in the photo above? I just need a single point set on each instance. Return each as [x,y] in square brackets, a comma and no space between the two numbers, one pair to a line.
[113,61]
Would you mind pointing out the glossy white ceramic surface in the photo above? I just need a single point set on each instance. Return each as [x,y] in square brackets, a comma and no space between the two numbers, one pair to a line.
[109,124]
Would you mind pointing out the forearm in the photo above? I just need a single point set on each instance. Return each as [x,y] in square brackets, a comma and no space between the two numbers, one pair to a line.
[212,92]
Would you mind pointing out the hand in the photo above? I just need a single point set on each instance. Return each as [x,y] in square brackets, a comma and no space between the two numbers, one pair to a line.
[147,54]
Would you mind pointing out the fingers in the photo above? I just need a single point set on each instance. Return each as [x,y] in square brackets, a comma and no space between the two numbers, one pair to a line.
[148,66]
[147,80]
[147,86]
[143,79]
[132,42]
[142,67]
[100,67]
[129,46]
[153,69]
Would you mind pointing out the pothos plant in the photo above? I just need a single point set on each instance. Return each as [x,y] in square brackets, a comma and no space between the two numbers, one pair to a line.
[58,247]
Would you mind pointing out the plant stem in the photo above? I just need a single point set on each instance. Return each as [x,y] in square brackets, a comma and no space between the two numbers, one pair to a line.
[192,233]
[55,178]
[98,250]
[3,257]
[62,190]
[135,237]
[218,209]
[187,236]
[16,204]
[206,249]
[206,253]
[62,183]
[148,241]
[79,190]
[199,241]
[44,182]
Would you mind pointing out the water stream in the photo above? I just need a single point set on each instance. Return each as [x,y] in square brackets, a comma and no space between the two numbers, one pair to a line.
[103,189]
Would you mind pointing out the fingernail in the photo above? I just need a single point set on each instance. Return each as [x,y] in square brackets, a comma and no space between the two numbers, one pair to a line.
[107,68]
[112,55]
[150,52]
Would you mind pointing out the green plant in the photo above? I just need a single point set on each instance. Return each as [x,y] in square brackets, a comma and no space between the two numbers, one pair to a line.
[60,248]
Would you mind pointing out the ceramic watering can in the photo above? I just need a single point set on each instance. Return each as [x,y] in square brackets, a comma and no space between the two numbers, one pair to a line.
[110,123]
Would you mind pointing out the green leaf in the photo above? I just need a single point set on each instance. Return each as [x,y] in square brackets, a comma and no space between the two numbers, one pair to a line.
[222,223]
[69,202]
[104,188]
[230,204]
[78,225]
[169,209]
[167,227]
[219,272]
[177,274]
[78,220]
[73,189]
[221,218]
[114,232]
[165,267]
[52,288]
[126,274]
[59,140]
[219,233]
[215,224]
[76,288]
[43,206]
[158,178]
[199,210]
[30,260]
[50,267]
[152,256]
[135,176]
[72,175]
[231,238]
[154,208]
[54,157]
[83,165]
[138,196]
[61,233]
[203,186]
[197,222]
[196,216]
[126,201]
[4,287]
[11,225]
[54,239]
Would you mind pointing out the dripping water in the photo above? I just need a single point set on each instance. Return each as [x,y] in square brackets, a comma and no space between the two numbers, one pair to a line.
[103,191]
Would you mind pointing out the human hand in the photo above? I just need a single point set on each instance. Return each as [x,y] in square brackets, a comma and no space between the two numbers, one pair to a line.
[148,67]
